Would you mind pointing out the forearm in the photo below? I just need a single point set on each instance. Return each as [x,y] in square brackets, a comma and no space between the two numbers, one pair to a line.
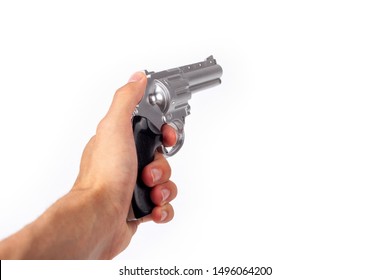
[69,229]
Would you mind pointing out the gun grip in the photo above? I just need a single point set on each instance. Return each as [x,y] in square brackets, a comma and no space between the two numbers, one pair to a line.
[146,142]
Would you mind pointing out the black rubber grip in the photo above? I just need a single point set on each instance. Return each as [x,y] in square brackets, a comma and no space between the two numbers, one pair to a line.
[146,142]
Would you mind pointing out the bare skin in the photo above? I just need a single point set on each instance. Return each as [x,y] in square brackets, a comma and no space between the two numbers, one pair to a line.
[90,221]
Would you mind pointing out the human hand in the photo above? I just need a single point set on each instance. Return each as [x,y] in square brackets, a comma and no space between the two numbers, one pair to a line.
[91,220]
[109,165]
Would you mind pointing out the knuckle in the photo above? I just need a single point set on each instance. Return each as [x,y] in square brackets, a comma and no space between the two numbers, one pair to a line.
[123,89]
[102,125]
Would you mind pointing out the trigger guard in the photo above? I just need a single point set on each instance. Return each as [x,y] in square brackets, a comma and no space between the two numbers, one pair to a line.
[179,128]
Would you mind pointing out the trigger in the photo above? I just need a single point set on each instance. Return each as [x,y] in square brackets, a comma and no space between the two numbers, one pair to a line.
[179,128]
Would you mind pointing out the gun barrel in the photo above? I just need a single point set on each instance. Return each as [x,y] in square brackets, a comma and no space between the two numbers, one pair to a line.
[203,74]
[205,85]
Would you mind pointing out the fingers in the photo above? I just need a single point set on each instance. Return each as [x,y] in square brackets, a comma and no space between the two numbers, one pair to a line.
[169,135]
[163,214]
[156,172]
[159,215]
[159,170]
[164,193]
[157,175]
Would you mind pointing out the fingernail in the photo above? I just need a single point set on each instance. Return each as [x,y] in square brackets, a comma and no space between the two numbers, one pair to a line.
[156,174]
[165,194]
[137,76]
[164,215]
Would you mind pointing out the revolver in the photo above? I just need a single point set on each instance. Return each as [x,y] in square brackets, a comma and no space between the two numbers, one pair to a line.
[165,101]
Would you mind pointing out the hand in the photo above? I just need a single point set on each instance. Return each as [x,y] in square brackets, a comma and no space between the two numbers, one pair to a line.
[90,221]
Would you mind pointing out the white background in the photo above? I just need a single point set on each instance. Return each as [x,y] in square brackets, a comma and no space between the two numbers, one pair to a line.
[286,164]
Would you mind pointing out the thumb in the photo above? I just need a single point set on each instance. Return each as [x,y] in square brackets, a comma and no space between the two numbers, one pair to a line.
[127,97]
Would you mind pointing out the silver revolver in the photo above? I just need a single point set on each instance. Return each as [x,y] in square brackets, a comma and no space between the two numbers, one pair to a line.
[165,102]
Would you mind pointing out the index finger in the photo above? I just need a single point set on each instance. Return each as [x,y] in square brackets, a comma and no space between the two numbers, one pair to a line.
[169,135]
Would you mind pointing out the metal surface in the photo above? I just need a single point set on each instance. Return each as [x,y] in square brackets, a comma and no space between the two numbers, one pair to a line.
[167,94]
